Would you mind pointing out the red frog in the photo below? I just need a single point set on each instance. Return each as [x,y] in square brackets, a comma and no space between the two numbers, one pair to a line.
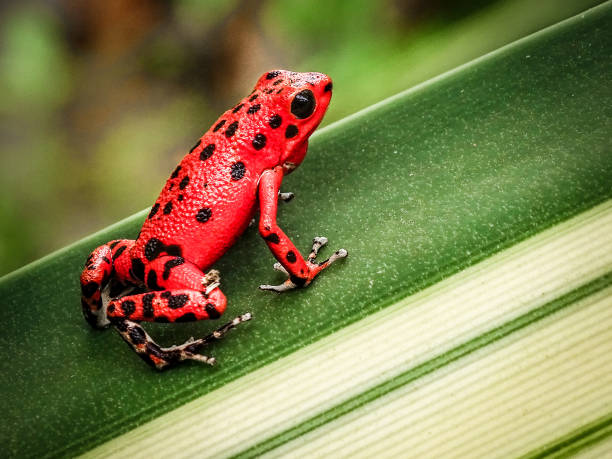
[208,201]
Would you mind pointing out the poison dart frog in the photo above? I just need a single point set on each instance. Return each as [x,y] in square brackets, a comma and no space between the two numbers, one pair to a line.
[235,168]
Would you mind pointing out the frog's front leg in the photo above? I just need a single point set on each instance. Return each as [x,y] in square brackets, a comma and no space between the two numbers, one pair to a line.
[301,272]
[285,197]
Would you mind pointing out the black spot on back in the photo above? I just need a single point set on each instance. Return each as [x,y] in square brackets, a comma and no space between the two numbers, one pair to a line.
[128,307]
[171,264]
[178,301]
[154,210]
[152,281]
[219,125]
[207,151]
[154,247]
[291,258]
[89,289]
[212,311]
[237,108]
[238,170]
[253,97]
[195,146]
[204,214]
[138,269]
[272,237]
[277,82]
[176,172]
[291,131]
[168,208]
[184,182]
[273,74]
[147,305]
[173,250]
[259,141]
[275,121]
[253,109]
[112,245]
[119,251]
[188,317]
[180,197]
[231,129]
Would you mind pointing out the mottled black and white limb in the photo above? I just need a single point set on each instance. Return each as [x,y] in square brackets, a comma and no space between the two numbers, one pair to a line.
[162,358]
[286,197]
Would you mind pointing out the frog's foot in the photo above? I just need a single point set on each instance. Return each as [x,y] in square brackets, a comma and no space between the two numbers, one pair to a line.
[286,197]
[314,268]
[287,285]
[162,358]
[211,280]
[151,352]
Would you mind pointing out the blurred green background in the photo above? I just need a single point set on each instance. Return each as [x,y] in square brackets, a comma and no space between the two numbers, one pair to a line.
[100,100]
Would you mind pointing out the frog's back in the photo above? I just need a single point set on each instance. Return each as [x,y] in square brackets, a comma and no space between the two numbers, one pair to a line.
[210,198]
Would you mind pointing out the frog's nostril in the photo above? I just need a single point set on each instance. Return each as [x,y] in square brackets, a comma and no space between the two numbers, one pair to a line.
[328,87]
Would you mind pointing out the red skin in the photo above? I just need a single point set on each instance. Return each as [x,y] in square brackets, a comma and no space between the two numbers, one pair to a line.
[206,205]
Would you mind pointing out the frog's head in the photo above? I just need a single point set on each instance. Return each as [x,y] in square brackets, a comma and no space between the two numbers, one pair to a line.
[301,100]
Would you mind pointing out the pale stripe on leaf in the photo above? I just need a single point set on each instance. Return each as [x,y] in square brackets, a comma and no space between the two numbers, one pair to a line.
[372,352]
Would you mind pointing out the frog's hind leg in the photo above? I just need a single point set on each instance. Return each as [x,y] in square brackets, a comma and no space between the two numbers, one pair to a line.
[182,293]
[162,358]
[101,279]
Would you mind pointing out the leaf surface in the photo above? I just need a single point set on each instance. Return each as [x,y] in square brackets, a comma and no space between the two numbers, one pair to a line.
[417,188]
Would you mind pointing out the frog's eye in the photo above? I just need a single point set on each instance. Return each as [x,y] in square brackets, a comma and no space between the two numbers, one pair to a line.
[303,104]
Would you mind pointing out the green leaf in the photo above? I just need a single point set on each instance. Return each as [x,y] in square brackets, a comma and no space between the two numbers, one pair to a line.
[475,209]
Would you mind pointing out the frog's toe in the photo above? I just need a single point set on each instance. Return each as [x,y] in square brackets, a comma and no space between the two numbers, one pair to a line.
[278,267]
[201,358]
[287,285]
[319,242]
[340,253]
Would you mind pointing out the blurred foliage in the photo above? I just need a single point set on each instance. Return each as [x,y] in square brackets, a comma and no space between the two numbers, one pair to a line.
[101,99]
